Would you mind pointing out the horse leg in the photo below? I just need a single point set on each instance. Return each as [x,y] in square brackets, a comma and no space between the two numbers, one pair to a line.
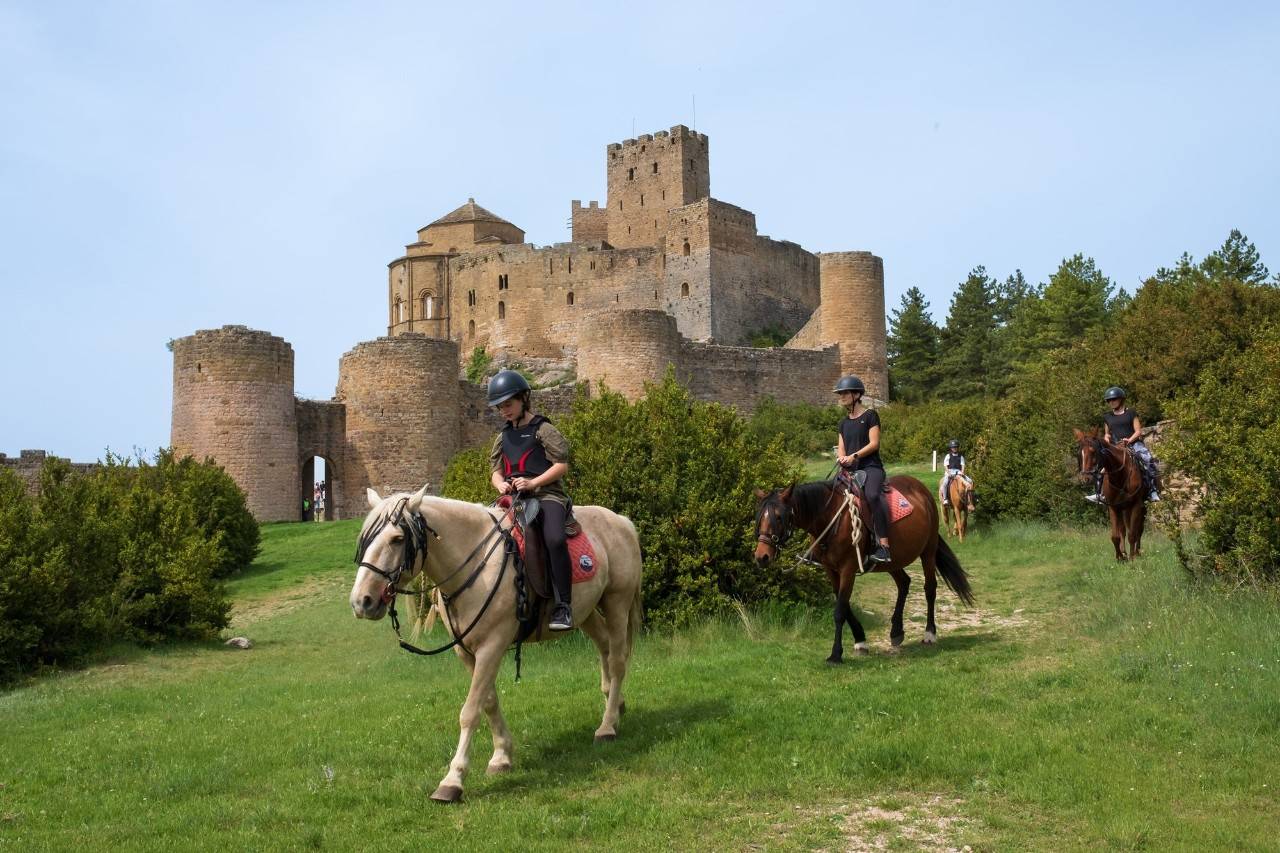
[929,559]
[617,610]
[903,580]
[1117,533]
[1137,522]
[594,627]
[484,672]
[842,615]
[962,522]
[501,760]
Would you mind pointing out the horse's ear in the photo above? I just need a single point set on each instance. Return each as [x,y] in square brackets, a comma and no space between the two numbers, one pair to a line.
[416,500]
[1079,435]
[760,494]
[374,498]
[1093,432]
[785,494]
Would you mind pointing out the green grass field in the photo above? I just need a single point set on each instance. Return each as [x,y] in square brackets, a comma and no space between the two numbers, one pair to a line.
[1082,705]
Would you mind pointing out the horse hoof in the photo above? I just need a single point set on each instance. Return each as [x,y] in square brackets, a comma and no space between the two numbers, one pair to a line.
[498,769]
[606,738]
[929,638]
[897,639]
[447,794]
[835,660]
[861,649]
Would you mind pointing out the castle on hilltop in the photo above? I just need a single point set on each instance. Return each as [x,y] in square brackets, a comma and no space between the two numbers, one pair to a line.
[663,275]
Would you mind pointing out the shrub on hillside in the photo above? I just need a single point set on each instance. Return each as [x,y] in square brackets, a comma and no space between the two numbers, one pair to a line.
[129,552]
[684,473]
[1228,439]
[910,434]
[804,429]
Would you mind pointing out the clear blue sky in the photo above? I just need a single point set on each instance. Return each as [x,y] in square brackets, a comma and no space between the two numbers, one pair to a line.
[167,167]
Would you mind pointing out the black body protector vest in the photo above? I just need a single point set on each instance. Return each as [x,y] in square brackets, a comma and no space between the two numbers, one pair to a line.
[954,460]
[522,454]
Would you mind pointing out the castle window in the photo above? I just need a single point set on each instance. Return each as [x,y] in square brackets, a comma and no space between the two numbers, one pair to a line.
[399,310]
[569,299]
[690,164]
[642,199]
[684,289]
[655,296]
[503,284]
[628,229]
[570,264]
[685,251]
[593,264]
[197,367]
[664,195]
[631,173]
[428,305]
[502,310]
[471,298]
[471,329]
[655,168]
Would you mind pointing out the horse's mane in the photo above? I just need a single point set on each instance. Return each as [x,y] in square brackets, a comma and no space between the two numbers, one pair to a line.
[809,499]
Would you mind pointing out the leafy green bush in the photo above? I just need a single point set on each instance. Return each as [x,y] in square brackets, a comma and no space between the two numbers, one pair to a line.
[479,366]
[684,473]
[129,552]
[1228,439]
[805,430]
[911,433]
[466,478]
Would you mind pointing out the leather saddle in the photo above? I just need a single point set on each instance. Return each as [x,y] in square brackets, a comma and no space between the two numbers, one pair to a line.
[537,563]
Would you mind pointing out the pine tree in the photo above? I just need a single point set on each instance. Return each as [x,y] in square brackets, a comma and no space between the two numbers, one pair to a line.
[1011,299]
[1073,302]
[1237,258]
[913,349]
[968,338]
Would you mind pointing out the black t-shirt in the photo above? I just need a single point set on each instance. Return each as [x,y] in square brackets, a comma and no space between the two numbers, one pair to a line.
[856,433]
[1120,425]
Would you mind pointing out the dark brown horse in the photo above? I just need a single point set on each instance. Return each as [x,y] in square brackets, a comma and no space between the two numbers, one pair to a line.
[819,509]
[1122,488]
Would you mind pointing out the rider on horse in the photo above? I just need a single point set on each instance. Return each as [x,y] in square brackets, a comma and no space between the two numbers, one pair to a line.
[859,450]
[532,456]
[953,465]
[1124,428]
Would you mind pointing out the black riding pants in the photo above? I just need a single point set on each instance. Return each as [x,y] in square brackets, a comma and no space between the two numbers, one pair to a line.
[552,519]
[874,490]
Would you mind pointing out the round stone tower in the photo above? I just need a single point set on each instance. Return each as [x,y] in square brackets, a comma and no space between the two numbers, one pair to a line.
[233,400]
[402,400]
[852,288]
[625,349]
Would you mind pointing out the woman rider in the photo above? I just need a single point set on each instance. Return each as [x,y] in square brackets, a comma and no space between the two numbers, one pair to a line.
[859,450]
[531,456]
[1124,428]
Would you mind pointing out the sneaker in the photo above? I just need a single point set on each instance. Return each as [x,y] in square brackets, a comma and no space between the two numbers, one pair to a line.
[1094,499]
[879,555]
[561,618]
[1154,497]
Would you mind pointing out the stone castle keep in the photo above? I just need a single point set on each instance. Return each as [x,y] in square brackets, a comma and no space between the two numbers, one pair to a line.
[661,275]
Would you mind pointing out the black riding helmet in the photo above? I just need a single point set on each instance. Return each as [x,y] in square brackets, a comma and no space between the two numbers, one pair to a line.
[1115,392]
[850,383]
[953,444]
[506,384]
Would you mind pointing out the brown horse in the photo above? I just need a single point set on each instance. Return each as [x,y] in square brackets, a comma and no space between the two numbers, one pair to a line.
[960,499]
[840,530]
[1122,488]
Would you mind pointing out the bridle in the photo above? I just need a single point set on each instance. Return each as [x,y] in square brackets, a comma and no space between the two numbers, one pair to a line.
[415,529]
[778,540]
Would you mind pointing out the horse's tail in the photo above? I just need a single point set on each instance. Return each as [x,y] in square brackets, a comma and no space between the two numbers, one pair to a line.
[949,568]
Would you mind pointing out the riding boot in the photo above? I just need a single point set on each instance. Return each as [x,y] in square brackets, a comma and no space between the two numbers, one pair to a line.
[561,587]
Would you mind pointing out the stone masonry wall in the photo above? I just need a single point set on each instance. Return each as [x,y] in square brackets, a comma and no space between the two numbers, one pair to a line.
[28,464]
[852,287]
[590,223]
[233,400]
[743,376]
[650,175]
[625,349]
[402,402]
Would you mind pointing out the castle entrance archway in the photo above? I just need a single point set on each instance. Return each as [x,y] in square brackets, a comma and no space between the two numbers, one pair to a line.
[317,489]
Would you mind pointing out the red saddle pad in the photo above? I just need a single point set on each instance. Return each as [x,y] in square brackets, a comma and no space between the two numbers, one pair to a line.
[898,505]
[582,553]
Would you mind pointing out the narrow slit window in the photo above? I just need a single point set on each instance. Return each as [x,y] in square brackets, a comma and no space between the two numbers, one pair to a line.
[502,310]
[684,289]
[568,300]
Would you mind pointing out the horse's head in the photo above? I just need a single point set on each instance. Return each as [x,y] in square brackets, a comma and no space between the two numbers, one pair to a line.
[392,549]
[1090,450]
[773,523]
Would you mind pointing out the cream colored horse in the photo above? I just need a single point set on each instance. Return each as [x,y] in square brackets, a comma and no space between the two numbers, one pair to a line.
[606,607]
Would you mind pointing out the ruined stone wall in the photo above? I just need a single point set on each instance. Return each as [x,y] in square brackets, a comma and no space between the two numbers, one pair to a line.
[28,463]
[649,176]
[590,224]
[402,401]
[233,400]
[743,376]
[810,334]
[322,431]
[852,288]
[756,282]
[546,290]
[625,349]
